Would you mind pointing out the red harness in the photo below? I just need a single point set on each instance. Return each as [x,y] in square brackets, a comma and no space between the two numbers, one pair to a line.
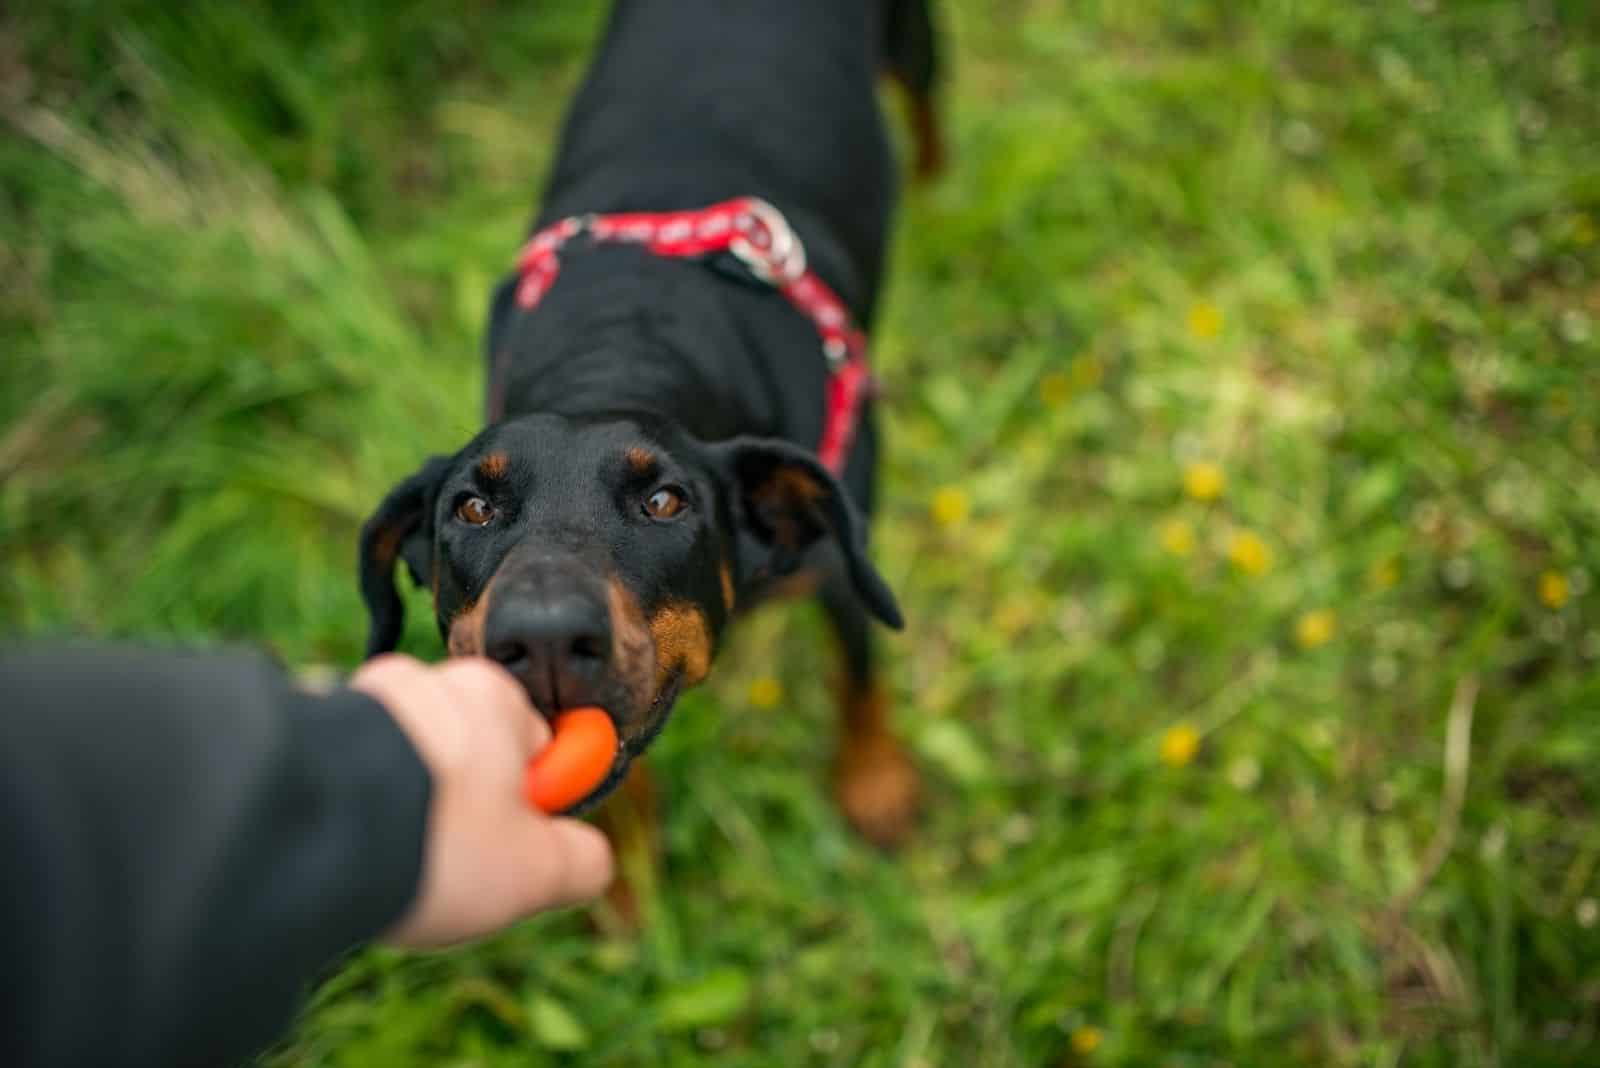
[760,237]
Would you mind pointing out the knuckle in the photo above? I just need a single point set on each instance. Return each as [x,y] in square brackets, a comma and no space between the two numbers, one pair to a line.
[386,664]
[391,675]
[487,682]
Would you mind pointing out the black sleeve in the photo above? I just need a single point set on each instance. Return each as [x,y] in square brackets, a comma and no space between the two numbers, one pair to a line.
[186,840]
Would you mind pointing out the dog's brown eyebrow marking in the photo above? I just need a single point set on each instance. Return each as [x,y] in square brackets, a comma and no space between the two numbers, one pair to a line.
[640,460]
[494,465]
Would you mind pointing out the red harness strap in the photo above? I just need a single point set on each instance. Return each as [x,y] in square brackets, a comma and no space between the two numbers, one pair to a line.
[760,237]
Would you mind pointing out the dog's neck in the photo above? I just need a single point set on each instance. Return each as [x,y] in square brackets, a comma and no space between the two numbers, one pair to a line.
[624,331]
[617,370]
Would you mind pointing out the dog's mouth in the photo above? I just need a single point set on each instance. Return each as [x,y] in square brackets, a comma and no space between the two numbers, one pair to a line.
[630,680]
[633,745]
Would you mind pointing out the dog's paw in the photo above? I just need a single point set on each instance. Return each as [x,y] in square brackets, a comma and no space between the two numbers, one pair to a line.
[879,789]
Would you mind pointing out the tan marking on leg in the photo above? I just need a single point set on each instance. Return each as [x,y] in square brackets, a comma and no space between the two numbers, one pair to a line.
[928,135]
[875,782]
[927,129]
[726,574]
[630,819]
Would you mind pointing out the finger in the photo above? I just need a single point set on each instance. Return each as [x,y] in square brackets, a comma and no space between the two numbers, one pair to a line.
[385,661]
[536,732]
[389,679]
[533,729]
[569,862]
[487,680]
[492,687]
[381,670]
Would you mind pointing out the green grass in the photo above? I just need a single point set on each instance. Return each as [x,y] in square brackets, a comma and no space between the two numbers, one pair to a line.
[1349,253]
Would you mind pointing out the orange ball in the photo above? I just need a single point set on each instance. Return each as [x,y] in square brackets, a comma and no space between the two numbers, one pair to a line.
[578,759]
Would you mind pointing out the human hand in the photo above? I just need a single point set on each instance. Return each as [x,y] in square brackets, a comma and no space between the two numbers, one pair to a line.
[489,858]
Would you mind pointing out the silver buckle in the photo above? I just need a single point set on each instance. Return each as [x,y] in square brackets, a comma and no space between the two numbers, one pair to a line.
[836,352]
[779,265]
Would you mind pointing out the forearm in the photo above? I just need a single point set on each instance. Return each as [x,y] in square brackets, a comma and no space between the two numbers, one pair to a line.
[192,839]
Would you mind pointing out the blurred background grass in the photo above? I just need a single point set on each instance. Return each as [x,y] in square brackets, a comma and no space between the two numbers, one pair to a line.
[1243,447]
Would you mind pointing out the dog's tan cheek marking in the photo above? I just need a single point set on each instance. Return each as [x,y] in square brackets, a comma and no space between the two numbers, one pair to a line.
[466,629]
[726,573]
[631,645]
[683,643]
[494,465]
[465,637]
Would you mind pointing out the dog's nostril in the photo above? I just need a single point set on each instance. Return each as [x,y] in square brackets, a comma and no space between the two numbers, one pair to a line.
[507,652]
[587,647]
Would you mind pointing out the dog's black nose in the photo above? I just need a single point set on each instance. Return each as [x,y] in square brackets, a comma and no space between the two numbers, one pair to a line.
[558,645]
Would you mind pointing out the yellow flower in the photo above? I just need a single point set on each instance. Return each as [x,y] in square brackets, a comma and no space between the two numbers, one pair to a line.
[1385,574]
[1179,743]
[1204,481]
[1249,553]
[950,506]
[1177,537]
[1315,628]
[766,692]
[1554,589]
[1086,1039]
[1055,389]
[1205,320]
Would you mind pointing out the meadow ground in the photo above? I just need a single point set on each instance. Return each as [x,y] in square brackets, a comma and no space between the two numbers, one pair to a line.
[1242,493]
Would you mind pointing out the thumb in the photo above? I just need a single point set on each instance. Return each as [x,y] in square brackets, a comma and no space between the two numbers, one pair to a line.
[566,862]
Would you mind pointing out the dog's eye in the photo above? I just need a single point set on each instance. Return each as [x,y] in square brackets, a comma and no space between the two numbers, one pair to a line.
[664,503]
[475,510]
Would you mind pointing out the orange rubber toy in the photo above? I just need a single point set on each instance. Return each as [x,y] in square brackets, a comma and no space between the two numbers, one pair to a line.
[576,761]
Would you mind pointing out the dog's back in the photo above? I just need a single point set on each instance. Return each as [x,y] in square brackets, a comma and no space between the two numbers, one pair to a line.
[690,102]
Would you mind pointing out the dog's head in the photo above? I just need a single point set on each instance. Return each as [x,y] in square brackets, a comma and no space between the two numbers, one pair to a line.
[600,559]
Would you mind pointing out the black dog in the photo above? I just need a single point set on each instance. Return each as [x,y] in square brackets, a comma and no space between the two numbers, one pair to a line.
[659,384]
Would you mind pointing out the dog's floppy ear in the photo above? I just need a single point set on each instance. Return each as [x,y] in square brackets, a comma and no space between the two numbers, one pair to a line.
[786,501]
[400,528]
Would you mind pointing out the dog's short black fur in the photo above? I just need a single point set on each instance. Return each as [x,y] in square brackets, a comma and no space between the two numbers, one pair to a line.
[653,473]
